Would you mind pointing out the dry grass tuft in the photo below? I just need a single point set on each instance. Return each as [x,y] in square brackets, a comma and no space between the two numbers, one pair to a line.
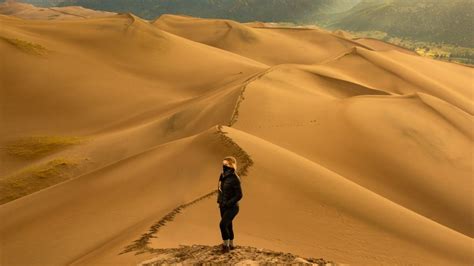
[35,178]
[25,46]
[38,146]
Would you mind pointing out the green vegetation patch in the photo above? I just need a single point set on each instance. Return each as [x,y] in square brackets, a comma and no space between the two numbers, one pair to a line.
[35,178]
[37,146]
[25,46]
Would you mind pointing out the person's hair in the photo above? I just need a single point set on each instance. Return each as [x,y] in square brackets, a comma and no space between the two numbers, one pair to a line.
[232,161]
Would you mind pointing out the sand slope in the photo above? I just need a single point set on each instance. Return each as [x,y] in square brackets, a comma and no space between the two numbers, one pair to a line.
[341,114]
[355,152]
[339,214]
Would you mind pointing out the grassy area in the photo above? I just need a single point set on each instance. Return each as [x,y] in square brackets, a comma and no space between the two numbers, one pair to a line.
[25,46]
[441,51]
[38,146]
[35,178]
[368,34]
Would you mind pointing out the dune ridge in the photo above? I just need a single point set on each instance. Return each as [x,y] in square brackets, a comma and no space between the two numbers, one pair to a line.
[353,152]
[28,11]
[141,245]
[354,120]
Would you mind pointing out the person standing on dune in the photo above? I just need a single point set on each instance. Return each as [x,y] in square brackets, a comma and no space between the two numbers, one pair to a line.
[229,194]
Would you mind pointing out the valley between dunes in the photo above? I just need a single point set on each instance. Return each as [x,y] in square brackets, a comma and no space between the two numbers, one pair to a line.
[352,150]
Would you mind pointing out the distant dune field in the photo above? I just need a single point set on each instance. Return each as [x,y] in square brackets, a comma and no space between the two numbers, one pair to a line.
[353,150]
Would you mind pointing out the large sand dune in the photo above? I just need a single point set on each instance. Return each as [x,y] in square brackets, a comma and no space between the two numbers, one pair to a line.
[353,151]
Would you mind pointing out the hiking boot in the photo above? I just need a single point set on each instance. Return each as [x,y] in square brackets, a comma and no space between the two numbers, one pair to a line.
[231,247]
[225,248]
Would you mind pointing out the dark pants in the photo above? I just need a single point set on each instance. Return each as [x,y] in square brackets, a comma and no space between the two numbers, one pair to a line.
[227,215]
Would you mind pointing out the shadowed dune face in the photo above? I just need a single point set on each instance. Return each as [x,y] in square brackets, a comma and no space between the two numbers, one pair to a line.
[350,151]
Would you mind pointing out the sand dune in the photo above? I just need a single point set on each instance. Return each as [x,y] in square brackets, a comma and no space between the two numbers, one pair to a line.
[331,121]
[349,150]
[128,83]
[131,195]
[269,45]
[28,11]
[338,213]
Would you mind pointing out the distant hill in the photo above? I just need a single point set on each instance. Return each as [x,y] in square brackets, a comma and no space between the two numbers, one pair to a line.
[448,21]
[42,3]
[240,10]
[29,11]
[427,20]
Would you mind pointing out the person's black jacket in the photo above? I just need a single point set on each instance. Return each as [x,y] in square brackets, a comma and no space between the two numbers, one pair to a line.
[231,190]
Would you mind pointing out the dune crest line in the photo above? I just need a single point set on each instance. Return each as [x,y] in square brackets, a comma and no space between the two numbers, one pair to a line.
[141,245]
